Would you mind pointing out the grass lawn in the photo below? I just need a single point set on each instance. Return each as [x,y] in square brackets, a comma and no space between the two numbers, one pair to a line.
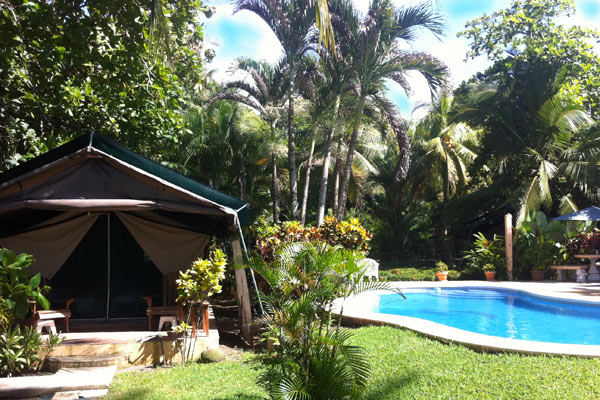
[404,366]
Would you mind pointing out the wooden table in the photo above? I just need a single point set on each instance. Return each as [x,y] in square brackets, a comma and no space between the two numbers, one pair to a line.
[593,273]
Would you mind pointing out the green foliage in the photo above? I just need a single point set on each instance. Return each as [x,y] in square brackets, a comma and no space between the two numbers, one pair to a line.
[441,266]
[416,274]
[22,350]
[489,268]
[17,288]
[348,234]
[203,279]
[487,252]
[538,242]
[527,30]
[312,358]
[70,68]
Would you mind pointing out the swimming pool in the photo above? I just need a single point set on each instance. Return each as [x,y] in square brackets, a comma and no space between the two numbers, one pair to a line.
[495,312]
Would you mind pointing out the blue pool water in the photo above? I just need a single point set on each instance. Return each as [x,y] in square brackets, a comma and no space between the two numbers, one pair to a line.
[503,313]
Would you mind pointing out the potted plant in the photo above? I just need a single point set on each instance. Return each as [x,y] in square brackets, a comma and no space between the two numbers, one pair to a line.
[442,271]
[490,272]
[540,240]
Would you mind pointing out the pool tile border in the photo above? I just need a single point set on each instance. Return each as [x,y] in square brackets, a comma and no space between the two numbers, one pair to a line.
[477,341]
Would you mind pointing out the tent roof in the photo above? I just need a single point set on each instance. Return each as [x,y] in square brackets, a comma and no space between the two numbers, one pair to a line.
[94,144]
[587,214]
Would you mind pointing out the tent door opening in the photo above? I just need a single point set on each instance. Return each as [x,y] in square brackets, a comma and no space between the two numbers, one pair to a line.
[108,274]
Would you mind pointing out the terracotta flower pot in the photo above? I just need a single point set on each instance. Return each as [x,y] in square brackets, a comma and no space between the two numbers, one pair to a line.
[442,276]
[537,275]
[490,275]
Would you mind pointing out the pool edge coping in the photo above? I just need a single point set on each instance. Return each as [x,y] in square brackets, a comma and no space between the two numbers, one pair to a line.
[473,340]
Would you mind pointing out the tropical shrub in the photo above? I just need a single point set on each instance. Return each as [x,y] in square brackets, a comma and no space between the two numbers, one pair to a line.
[583,243]
[17,288]
[203,279]
[487,251]
[415,274]
[348,234]
[312,357]
[441,266]
[537,243]
[194,286]
[22,350]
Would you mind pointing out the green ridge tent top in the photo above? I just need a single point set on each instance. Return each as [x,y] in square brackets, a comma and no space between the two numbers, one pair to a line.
[179,193]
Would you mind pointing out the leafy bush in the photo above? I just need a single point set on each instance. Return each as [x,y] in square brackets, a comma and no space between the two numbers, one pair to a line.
[17,288]
[22,350]
[312,357]
[203,279]
[537,243]
[487,251]
[414,274]
[349,234]
[194,286]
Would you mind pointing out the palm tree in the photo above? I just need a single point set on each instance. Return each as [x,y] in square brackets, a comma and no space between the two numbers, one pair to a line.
[537,136]
[290,21]
[374,45]
[447,144]
[262,87]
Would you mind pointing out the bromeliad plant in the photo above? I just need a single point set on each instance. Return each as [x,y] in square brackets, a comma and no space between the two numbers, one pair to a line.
[312,357]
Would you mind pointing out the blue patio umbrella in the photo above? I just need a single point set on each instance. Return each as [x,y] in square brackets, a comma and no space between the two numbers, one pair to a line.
[587,214]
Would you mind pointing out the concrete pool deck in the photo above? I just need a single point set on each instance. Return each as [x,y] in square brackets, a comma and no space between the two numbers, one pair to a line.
[354,312]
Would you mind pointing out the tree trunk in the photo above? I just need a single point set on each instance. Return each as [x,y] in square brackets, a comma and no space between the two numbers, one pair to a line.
[243,183]
[350,157]
[292,146]
[307,180]
[336,184]
[326,162]
[274,184]
[275,190]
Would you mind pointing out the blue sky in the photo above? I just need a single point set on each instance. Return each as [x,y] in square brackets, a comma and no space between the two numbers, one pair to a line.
[245,35]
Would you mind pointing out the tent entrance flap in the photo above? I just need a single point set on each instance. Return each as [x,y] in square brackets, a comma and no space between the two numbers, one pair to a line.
[85,274]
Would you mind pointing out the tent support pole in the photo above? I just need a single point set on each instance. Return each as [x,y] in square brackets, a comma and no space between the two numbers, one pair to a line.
[262,311]
[108,262]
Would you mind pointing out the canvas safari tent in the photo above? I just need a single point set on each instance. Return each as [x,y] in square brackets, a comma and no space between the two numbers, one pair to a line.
[107,226]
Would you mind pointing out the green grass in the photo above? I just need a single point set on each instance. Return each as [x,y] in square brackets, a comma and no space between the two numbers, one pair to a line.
[404,366]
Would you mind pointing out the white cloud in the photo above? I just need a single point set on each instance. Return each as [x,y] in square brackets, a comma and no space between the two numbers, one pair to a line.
[242,34]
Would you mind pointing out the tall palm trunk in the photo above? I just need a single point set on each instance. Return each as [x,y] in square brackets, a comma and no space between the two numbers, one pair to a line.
[341,209]
[336,183]
[307,179]
[275,184]
[326,162]
[292,145]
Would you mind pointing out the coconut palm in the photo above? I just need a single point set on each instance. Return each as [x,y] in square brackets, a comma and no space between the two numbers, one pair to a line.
[290,21]
[541,136]
[374,44]
[261,86]
[449,145]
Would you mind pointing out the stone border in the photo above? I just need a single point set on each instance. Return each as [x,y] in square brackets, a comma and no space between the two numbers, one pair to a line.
[478,341]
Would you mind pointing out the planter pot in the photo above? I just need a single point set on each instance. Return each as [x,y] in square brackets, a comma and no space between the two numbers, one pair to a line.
[537,275]
[490,275]
[442,276]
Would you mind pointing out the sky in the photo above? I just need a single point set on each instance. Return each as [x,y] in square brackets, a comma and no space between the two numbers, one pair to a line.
[245,35]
